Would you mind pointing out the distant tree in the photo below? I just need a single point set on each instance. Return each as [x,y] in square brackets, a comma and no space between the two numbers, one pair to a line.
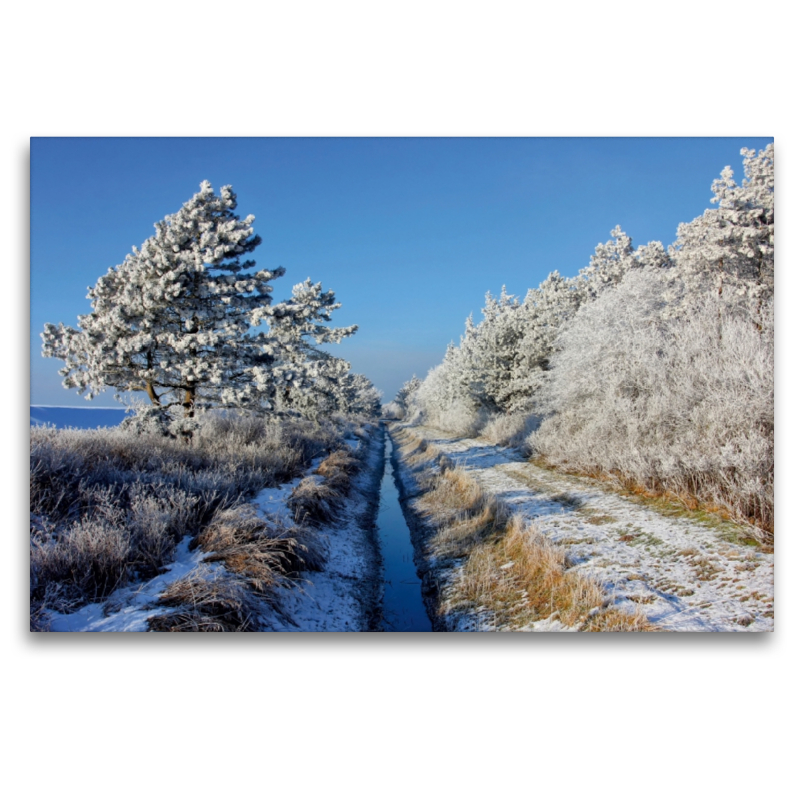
[360,396]
[405,394]
[190,323]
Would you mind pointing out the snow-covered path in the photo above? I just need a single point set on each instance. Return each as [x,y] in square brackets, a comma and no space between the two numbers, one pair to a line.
[684,574]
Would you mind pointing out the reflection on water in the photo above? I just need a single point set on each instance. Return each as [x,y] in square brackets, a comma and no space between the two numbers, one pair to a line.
[403,609]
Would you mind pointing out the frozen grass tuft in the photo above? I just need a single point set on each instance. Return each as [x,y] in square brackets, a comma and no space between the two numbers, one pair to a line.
[338,470]
[317,499]
[260,551]
[313,502]
[206,601]
[85,563]
[460,512]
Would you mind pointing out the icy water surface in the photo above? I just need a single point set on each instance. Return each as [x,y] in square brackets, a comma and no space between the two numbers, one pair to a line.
[403,609]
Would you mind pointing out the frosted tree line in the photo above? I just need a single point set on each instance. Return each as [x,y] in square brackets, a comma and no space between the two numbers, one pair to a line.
[653,365]
[188,320]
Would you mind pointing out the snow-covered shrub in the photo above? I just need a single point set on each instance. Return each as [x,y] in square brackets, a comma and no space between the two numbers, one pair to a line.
[401,406]
[510,430]
[392,411]
[683,405]
[443,402]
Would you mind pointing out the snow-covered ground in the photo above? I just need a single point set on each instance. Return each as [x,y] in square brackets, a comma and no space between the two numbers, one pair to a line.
[344,596]
[685,574]
[129,608]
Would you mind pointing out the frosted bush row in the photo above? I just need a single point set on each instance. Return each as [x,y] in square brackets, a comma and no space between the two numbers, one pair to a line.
[653,365]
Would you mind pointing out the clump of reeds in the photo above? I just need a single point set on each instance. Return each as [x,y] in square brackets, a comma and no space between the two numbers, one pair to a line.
[207,601]
[338,470]
[258,549]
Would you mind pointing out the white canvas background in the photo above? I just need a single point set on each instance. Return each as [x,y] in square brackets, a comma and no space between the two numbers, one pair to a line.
[395,716]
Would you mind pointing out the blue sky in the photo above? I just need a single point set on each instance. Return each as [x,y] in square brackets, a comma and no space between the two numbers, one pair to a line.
[409,232]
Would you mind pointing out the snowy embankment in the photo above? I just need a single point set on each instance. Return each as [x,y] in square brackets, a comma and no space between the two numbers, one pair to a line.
[345,595]
[681,571]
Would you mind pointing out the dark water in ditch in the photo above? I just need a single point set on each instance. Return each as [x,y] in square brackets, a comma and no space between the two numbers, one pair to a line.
[403,609]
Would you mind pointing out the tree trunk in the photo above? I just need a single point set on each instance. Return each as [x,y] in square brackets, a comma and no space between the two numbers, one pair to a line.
[188,412]
[188,403]
[151,393]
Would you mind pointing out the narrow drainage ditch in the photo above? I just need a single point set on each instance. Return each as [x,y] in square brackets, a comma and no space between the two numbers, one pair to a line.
[403,608]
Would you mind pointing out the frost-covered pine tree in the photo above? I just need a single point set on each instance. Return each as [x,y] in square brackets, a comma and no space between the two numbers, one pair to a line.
[730,249]
[301,374]
[444,398]
[609,264]
[542,314]
[493,351]
[185,319]
[360,396]
[405,394]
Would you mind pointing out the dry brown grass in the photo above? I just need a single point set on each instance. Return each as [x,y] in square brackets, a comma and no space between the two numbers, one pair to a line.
[316,500]
[419,453]
[206,601]
[313,502]
[614,619]
[522,577]
[415,449]
[260,551]
[510,569]
[338,470]
[461,513]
